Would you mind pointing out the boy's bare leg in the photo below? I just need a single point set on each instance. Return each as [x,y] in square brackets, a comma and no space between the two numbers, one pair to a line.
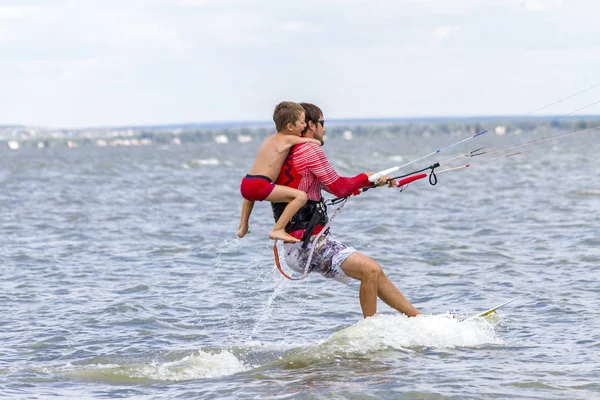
[247,207]
[295,199]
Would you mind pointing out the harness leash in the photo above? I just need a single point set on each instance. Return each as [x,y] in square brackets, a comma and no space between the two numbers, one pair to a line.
[432,177]
[276,253]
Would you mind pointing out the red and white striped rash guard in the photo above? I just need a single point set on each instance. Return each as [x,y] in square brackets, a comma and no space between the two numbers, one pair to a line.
[307,168]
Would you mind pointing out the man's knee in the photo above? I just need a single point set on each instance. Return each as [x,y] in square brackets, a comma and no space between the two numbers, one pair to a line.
[371,270]
[361,267]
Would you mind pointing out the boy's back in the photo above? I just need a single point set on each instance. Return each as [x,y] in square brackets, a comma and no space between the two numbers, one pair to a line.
[271,155]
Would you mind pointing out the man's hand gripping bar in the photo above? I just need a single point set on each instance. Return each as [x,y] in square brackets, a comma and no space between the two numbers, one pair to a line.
[378,175]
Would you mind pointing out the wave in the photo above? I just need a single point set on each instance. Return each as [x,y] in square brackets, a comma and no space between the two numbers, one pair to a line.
[588,192]
[365,338]
[398,332]
[198,365]
[206,162]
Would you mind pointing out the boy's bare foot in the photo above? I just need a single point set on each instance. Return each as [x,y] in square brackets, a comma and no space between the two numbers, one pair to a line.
[242,231]
[280,234]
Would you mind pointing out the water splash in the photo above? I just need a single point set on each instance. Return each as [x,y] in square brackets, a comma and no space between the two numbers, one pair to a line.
[399,332]
[267,309]
[200,365]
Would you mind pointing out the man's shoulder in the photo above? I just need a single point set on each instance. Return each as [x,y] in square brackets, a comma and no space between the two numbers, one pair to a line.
[307,146]
[301,151]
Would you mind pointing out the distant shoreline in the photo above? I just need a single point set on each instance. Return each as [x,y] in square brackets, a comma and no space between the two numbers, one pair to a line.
[17,137]
[337,121]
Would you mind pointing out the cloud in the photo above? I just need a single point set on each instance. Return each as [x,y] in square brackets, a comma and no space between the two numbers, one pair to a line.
[540,5]
[147,61]
[18,12]
[191,3]
[150,35]
[442,32]
[300,27]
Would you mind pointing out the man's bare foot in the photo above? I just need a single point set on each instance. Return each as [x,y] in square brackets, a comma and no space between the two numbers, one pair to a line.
[280,234]
[242,231]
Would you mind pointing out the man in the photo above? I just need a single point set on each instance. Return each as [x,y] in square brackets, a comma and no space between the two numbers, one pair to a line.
[307,168]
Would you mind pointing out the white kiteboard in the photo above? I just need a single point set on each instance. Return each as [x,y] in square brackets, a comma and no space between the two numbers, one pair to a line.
[489,312]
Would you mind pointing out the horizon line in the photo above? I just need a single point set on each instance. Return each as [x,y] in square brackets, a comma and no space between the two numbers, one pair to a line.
[255,123]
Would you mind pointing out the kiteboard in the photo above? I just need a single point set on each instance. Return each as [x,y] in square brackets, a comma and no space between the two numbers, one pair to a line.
[489,312]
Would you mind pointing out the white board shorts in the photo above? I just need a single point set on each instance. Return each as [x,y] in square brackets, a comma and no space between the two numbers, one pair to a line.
[327,257]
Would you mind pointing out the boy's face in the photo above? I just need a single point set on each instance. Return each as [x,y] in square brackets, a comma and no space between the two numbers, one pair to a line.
[299,125]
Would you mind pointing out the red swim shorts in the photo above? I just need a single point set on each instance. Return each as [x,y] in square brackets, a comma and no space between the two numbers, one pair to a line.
[256,187]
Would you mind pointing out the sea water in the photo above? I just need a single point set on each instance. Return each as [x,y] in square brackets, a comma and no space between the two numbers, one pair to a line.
[122,277]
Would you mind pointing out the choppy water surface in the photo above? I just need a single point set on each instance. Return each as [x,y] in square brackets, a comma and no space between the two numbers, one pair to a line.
[122,278]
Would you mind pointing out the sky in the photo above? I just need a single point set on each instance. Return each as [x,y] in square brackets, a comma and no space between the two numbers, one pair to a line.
[91,63]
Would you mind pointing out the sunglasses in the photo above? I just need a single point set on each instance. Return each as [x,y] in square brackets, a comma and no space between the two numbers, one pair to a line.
[322,122]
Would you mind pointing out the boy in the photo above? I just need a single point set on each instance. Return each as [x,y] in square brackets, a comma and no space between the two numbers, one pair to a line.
[258,184]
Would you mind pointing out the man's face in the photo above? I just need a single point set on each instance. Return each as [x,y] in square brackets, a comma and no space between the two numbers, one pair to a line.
[320,131]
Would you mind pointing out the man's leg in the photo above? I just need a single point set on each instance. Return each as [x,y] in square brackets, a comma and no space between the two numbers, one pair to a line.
[367,271]
[374,283]
[389,293]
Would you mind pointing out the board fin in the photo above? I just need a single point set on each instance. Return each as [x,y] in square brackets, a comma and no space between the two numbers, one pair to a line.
[489,312]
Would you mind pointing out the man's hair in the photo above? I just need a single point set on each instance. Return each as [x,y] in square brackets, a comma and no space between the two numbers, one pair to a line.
[311,113]
[286,112]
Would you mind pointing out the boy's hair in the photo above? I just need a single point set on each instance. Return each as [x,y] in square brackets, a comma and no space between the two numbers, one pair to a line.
[286,112]
[311,112]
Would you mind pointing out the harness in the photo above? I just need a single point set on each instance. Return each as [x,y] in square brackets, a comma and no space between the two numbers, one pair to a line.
[318,217]
[312,214]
